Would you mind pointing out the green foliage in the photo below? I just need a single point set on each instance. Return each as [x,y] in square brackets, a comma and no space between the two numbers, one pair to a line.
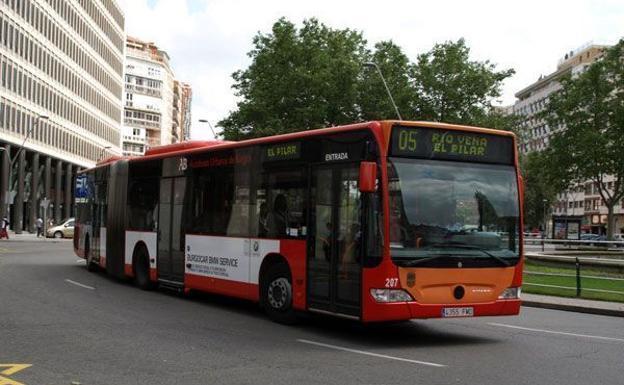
[298,80]
[314,77]
[451,88]
[591,107]
[539,188]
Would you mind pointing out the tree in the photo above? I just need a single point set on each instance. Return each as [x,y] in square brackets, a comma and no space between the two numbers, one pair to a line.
[313,77]
[298,80]
[590,109]
[539,188]
[451,88]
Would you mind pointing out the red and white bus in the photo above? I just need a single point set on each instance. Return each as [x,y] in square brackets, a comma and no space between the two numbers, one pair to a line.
[374,221]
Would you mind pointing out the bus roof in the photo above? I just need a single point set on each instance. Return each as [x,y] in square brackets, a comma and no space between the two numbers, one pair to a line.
[191,147]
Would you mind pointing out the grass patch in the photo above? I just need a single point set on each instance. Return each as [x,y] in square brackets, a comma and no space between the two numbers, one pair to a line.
[589,280]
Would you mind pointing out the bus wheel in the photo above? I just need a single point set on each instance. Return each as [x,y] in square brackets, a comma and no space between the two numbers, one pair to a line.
[277,294]
[141,270]
[91,266]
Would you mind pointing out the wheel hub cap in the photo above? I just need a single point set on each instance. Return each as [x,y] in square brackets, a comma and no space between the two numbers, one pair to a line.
[279,293]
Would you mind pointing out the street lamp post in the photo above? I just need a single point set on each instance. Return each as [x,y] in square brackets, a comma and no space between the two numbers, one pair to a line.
[8,197]
[209,125]
[373,64]
[545,202]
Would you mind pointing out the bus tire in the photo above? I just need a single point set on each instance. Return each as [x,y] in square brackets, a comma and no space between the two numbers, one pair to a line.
[91,266]
[276,291]
[140,266]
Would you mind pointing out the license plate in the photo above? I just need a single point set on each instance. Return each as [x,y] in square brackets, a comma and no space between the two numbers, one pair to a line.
[457,312]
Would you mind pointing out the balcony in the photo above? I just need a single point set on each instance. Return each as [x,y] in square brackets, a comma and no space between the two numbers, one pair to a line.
[134,139]
[132,122]
[154,92]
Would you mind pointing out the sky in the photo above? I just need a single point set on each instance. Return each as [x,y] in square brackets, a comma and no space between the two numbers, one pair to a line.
[208,40]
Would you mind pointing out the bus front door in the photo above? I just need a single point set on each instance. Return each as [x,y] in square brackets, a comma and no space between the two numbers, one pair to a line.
[334,270]
[170,230]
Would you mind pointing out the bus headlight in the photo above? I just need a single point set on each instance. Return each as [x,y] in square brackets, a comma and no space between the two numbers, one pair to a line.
[510,293]
[390,295]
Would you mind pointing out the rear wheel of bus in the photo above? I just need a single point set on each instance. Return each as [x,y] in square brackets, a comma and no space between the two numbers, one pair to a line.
[276,294]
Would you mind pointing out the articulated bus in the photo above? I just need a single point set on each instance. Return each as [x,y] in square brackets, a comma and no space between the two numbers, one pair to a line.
[376,221]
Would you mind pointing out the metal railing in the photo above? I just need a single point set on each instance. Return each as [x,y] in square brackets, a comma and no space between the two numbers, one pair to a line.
[570,243]
[581,284]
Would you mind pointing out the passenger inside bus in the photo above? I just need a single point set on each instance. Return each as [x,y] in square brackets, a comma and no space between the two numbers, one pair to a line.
[263,220]
[278,220]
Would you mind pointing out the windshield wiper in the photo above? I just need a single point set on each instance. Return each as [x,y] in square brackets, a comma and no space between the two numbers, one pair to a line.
[415,262]
[452,245]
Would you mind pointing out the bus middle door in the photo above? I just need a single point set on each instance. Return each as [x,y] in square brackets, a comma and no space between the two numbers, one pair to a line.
[170,230]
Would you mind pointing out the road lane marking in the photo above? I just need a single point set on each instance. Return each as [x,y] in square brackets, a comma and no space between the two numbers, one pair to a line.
[8,381]
[555,332]
[79,284]
[335,347]
[11,369]
[80,260]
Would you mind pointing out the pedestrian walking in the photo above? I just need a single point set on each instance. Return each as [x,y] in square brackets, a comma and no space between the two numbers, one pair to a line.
[4,228]
[39,224]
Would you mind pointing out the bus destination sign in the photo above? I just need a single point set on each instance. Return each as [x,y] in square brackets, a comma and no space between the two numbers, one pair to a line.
[431,143]
[282,151]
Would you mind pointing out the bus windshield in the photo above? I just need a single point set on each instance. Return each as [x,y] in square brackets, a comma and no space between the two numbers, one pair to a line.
[443,213]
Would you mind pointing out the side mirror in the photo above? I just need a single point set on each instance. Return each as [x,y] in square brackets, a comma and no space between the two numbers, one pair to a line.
[368,177]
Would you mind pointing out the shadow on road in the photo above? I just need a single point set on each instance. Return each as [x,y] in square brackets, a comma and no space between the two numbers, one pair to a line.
[414,334]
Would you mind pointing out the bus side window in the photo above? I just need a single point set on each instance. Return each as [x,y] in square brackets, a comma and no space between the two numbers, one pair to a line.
[221,203]
[142,201]
[282,208]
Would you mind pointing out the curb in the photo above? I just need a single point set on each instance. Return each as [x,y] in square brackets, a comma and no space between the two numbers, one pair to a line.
[574,308]
[49,240]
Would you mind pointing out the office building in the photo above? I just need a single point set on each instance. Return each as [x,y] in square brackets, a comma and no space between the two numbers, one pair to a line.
[61,85]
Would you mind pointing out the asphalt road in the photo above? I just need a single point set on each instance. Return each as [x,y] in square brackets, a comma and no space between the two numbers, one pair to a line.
[73,326]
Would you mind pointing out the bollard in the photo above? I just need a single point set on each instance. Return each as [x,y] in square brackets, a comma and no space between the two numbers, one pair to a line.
[578,277]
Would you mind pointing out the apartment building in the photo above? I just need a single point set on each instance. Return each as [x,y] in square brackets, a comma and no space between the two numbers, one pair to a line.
[61,66]
[582,202]
[153,99]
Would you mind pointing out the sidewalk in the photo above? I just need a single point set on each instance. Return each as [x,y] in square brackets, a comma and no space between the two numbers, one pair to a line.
[573,304]
[28,237]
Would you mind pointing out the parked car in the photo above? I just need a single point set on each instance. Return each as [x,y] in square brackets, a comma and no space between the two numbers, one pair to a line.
[589,237]
[64,230]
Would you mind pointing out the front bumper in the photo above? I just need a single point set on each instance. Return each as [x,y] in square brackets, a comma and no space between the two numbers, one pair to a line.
[376,312]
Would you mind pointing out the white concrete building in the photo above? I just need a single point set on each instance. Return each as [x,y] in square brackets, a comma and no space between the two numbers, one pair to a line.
[149,99]
[61,66]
